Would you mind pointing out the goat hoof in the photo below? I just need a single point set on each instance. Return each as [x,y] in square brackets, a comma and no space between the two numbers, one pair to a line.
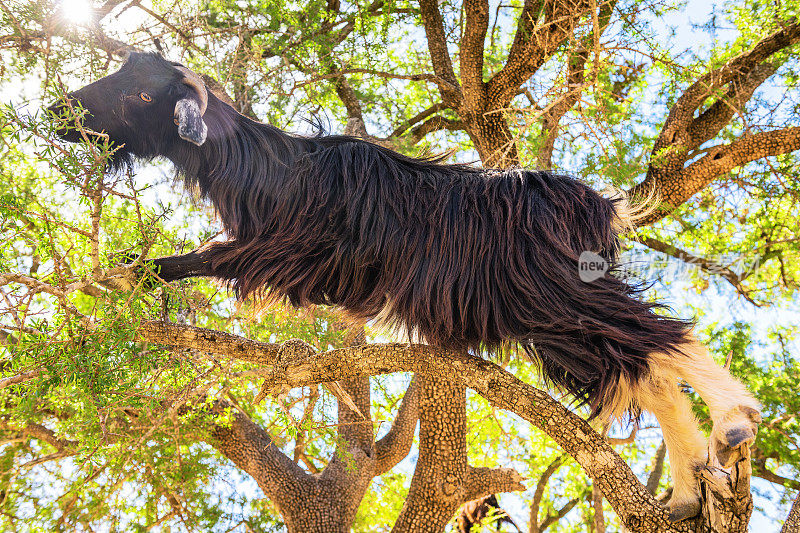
[684,510]
[736,434]
[141,274]
[735,437]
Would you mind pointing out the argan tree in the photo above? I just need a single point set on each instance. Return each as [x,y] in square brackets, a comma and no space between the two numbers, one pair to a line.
[179,408]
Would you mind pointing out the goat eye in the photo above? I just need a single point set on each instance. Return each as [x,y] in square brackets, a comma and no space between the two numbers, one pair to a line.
[145,97]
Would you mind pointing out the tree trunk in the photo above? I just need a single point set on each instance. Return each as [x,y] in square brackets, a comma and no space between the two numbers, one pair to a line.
[493,139]
[438,486]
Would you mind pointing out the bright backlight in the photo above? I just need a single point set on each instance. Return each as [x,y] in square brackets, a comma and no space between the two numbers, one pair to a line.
[77,11]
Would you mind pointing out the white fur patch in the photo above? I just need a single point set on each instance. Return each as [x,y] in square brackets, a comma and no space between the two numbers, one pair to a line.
[191,126]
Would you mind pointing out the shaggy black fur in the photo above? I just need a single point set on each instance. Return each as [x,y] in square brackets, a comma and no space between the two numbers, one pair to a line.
[467,258]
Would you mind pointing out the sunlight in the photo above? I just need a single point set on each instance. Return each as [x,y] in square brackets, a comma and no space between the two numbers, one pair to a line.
[78,12]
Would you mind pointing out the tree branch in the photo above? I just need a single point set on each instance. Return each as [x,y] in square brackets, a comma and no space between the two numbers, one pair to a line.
[39,432]
[535,527]
[437,47]
[471,52]
[657,469]
[19,378]
[419,117]
[561,513]
[436,123]
[760,470]
[678,186]
[438,485]
[740,90]
[792,524]
[294,367]
[534,43]
[395,445]
[705,264]
[576,82]
[482,481]
[681,113]
[597,505]
[250,448]
[667,172]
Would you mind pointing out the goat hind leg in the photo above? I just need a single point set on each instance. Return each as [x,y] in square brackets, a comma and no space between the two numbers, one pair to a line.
[659,394]
[735,413]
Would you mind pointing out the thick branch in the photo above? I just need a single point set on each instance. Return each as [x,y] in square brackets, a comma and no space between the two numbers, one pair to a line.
[740,90]
[49,436]
[482,481]
[293,368]
[792,524]
[682,133]
[534,44]
[437,47]
[678,186]
[39,432]
[471,52]
[218,342]
[438,485]
[395,445]
[250,448]
[681,113]
[19,378]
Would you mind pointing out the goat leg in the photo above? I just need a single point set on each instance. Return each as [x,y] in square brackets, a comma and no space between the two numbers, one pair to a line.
[171,268]
[175,267]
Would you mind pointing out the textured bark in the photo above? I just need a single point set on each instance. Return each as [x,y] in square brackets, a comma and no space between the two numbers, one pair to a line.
[437,47]
[438,486]
[329,501]
[293,365]
[395,445]
[442,472]
[575,82]
[792,524]
[727,503]
[250,448]
[542,27]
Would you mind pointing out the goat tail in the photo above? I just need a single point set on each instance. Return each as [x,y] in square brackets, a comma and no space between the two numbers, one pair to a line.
[629,211]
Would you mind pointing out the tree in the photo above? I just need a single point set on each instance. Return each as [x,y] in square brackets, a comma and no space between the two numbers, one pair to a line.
[126,409]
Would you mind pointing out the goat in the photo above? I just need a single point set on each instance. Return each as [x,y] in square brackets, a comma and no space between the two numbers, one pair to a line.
[461,257]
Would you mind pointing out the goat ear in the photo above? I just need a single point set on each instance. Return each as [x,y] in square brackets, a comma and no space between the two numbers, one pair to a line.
[189,120]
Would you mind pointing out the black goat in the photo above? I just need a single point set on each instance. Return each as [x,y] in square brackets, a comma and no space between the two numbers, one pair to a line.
[461,257]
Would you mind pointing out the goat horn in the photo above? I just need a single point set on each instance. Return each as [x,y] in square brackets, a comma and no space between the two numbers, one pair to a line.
[193,80]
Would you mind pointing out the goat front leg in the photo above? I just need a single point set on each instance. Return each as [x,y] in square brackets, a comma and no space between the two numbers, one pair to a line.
[174,267]
[202,262]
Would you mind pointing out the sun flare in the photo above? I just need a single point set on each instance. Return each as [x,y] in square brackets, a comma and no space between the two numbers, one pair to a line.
[78,12]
